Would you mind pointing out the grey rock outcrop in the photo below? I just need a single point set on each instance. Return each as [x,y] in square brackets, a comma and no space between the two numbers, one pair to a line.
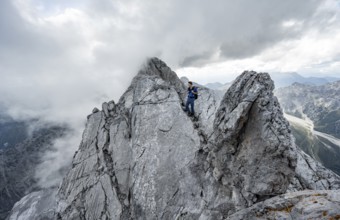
[310,174]
[36,205]
[144,158]
[136,163]
[252,152]
[323,204]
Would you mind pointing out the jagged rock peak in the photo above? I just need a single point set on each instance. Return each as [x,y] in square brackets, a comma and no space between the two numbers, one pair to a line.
[240,97]
[155,66]
[144,158]
[251,147]
[154,75]
[247,87]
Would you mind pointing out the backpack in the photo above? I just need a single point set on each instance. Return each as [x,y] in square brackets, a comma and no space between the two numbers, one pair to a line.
[195,95]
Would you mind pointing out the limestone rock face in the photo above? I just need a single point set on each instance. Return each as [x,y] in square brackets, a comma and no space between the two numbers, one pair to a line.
[36,205]
[144,158]
[320,204]
[134,162]
[251,148]
[310,174]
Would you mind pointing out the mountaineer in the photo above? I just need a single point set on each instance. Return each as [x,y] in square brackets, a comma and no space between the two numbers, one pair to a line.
[192,95]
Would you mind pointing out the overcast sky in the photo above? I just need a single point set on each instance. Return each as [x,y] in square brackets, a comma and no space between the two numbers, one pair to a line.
[59,59]
[58,56]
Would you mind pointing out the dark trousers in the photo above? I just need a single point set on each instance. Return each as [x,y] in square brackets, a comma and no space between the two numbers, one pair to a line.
[191,102]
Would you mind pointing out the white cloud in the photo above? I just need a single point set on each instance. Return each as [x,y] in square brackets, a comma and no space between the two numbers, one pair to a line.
[51,170]
[315,52]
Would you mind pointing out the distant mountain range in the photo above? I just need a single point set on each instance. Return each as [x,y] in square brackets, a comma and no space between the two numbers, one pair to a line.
[214,85]
[288,78]
[20,153]
[218,86]
[11,132]
[314,114]
[282,80]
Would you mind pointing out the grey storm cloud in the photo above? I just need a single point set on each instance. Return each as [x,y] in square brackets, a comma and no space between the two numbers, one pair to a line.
[187,33]
[237,29]
[60,59]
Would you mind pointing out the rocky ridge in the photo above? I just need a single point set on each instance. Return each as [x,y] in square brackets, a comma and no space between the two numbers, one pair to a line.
[144,158]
